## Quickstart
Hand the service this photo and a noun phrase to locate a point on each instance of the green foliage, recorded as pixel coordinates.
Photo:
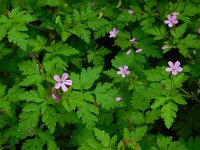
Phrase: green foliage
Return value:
(102, 109)
(166, 143)
(86, 79)
(29, 117)
(14, 25)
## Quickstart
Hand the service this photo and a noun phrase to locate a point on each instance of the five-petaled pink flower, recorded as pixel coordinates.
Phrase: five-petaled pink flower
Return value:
(172, 20)
(123, 71)
(113, 33)
(133, 40)
(62, 82)
(174, 68)
(118, 99)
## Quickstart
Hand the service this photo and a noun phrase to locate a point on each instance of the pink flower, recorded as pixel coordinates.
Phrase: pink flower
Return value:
(123, 71)
(131, 12)
(62, 82)
(139, 50)
(165, 47)
(174, 68)
(128, 52)
(113, 33)
(133, 40)
(118, 99)
(171, 20)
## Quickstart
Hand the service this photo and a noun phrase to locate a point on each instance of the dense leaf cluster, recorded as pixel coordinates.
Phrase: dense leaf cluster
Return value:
(43, 38)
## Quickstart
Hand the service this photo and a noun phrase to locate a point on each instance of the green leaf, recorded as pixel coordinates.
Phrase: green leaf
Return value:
(38, 44)
(29, 67)
(136, 117)
(105, 95)
(193, 143)
(31, 96)
(160, 101)
(168, 113)
(151, 116)
(165, 143)
(17, 37)
(156, 74)
(29, 117)
(102, 136)
(178, 33)
(33, 144)
(52, 3)
(3, 50)
(138, 133)
(86, 79)
(32, 72)
(159, 33)
(88, 114)
(49, 117)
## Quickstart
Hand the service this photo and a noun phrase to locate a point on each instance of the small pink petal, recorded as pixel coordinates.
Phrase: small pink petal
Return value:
(168, 69)
(64, 76)
(57, 78)
(174, 72)
(171, 64)
(175, 13)
(128, 52)
(125, 68)
(131, 12)
(166, 21)
(54, 97)
(121, 68)
(170, 25)
(118, 99)
(68, 82)
(179, 69)
(127, 72)
(57, 85)
(139, 50)
(64, 88)
(177, 64)
(119, 72)
(123, 75)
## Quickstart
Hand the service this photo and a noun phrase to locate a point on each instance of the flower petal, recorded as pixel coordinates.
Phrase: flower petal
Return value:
(174, 72)
(168, 69)
(170, 64)
(179, 69)
(123, 75)
(57, 78)
(119, 72)
(127, 72)
(64, 76)
(177, 64)
(57, 85)
(64, 88)
(170, 24)
(68, 82)
(121, 68)
(166, 21)
(118, 99)
(54, 97)
(125, 68)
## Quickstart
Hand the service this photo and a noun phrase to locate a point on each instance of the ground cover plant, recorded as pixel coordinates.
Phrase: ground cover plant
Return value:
(99, 75)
